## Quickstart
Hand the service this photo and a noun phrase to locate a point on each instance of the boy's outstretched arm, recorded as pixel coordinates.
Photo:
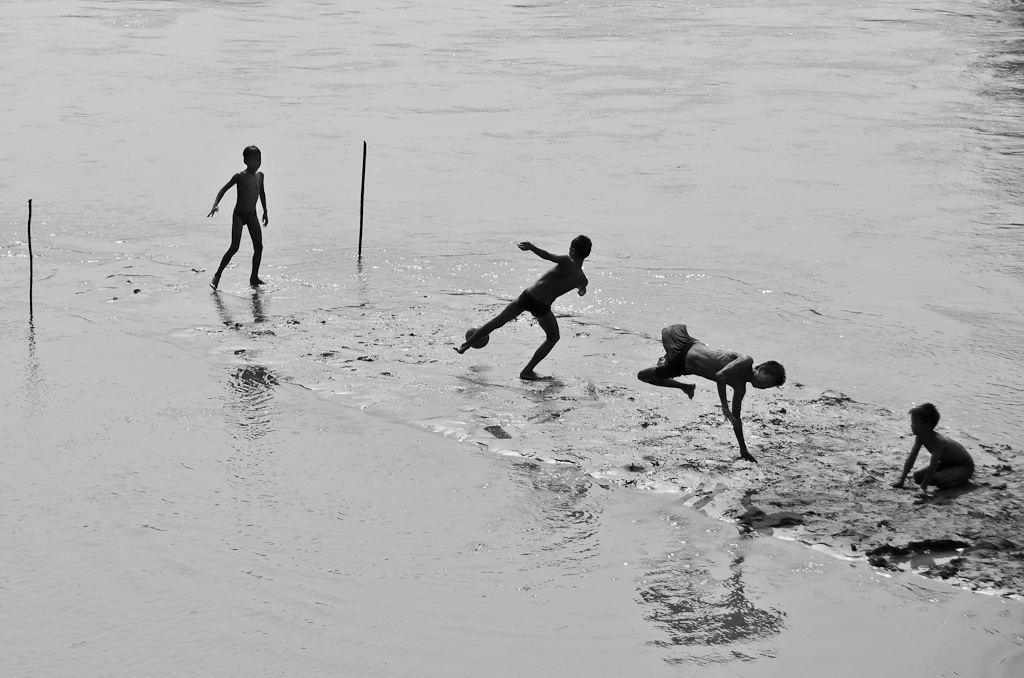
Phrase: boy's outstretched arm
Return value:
(525, 245)
(737, 424)
(723, 396)
(908, 465)
(733, 416)
(220, 194)
(263, 201)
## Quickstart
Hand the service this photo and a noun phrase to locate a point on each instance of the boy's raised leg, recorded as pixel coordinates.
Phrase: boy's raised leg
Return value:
(510, 312)
(649, 376)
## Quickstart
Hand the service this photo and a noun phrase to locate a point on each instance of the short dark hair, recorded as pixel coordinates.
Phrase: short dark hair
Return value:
(774, 369)
(250, 151)
(927, 413)
(582, 245)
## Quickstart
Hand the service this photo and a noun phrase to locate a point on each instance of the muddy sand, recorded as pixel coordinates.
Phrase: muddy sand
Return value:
(825, 473)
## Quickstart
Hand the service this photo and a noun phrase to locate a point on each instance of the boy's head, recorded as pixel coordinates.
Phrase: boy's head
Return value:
(926, 414)
(768, 374)
(252, 157)
(581, 245)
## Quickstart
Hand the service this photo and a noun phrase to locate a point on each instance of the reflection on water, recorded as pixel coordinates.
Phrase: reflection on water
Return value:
(696, 610)
(33, 378)
(562, 502)
(684, 599)
(362, 286)
(256, 305)
(253, 386)
(546, 397)
(222, 310)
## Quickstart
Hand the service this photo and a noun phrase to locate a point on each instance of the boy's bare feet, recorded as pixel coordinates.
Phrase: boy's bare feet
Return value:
(689, 390)
(215, 281)
(253, 282)
(531, 376)
(461, 349)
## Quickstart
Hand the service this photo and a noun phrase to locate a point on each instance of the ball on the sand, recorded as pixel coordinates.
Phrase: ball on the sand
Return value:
(481, 342)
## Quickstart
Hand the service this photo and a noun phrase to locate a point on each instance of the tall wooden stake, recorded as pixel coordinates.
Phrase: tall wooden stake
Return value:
(31, 276)
(362, 192)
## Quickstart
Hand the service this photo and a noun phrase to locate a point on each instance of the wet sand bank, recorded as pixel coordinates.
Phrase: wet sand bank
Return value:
(825, 473)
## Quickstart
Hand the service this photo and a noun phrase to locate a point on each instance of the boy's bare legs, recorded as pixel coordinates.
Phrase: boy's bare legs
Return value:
(236, 241)
(550, 326)
(511, 312)
(951, 476)
(256, 233)
(649, 376)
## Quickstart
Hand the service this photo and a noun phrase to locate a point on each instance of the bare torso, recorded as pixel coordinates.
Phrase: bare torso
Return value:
(704, 361)
(248, 186)
(558, 280)
(950, 452)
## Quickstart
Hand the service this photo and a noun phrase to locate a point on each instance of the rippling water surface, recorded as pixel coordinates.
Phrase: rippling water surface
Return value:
(834, 186)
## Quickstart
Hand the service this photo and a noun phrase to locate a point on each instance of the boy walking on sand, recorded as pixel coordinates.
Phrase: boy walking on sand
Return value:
(951, 464)
(686, 355)
(566, 274)
(249, 187)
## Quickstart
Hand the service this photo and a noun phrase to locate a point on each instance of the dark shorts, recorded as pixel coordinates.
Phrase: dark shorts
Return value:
(247, 218)
(677, 342)
(529, 303)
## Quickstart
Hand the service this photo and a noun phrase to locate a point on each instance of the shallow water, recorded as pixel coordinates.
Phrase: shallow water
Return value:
(783, 177)
(834, 187)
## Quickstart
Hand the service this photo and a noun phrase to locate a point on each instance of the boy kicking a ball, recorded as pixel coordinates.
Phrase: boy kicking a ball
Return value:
(566, 274)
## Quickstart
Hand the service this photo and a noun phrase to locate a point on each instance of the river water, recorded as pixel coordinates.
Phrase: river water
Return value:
(829, 185)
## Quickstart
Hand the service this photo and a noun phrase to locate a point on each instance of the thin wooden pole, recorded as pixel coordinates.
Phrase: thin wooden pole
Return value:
(31, 276)
(362, 193)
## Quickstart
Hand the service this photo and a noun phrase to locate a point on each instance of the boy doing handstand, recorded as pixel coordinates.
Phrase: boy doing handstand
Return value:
(686, 355)
(249, 187)
(951, 464)
(566, 274)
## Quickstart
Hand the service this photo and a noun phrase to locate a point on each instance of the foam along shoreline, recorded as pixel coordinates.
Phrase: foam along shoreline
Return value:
(825, 480)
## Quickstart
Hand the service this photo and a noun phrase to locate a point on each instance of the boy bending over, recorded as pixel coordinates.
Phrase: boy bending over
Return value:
(686, 355)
